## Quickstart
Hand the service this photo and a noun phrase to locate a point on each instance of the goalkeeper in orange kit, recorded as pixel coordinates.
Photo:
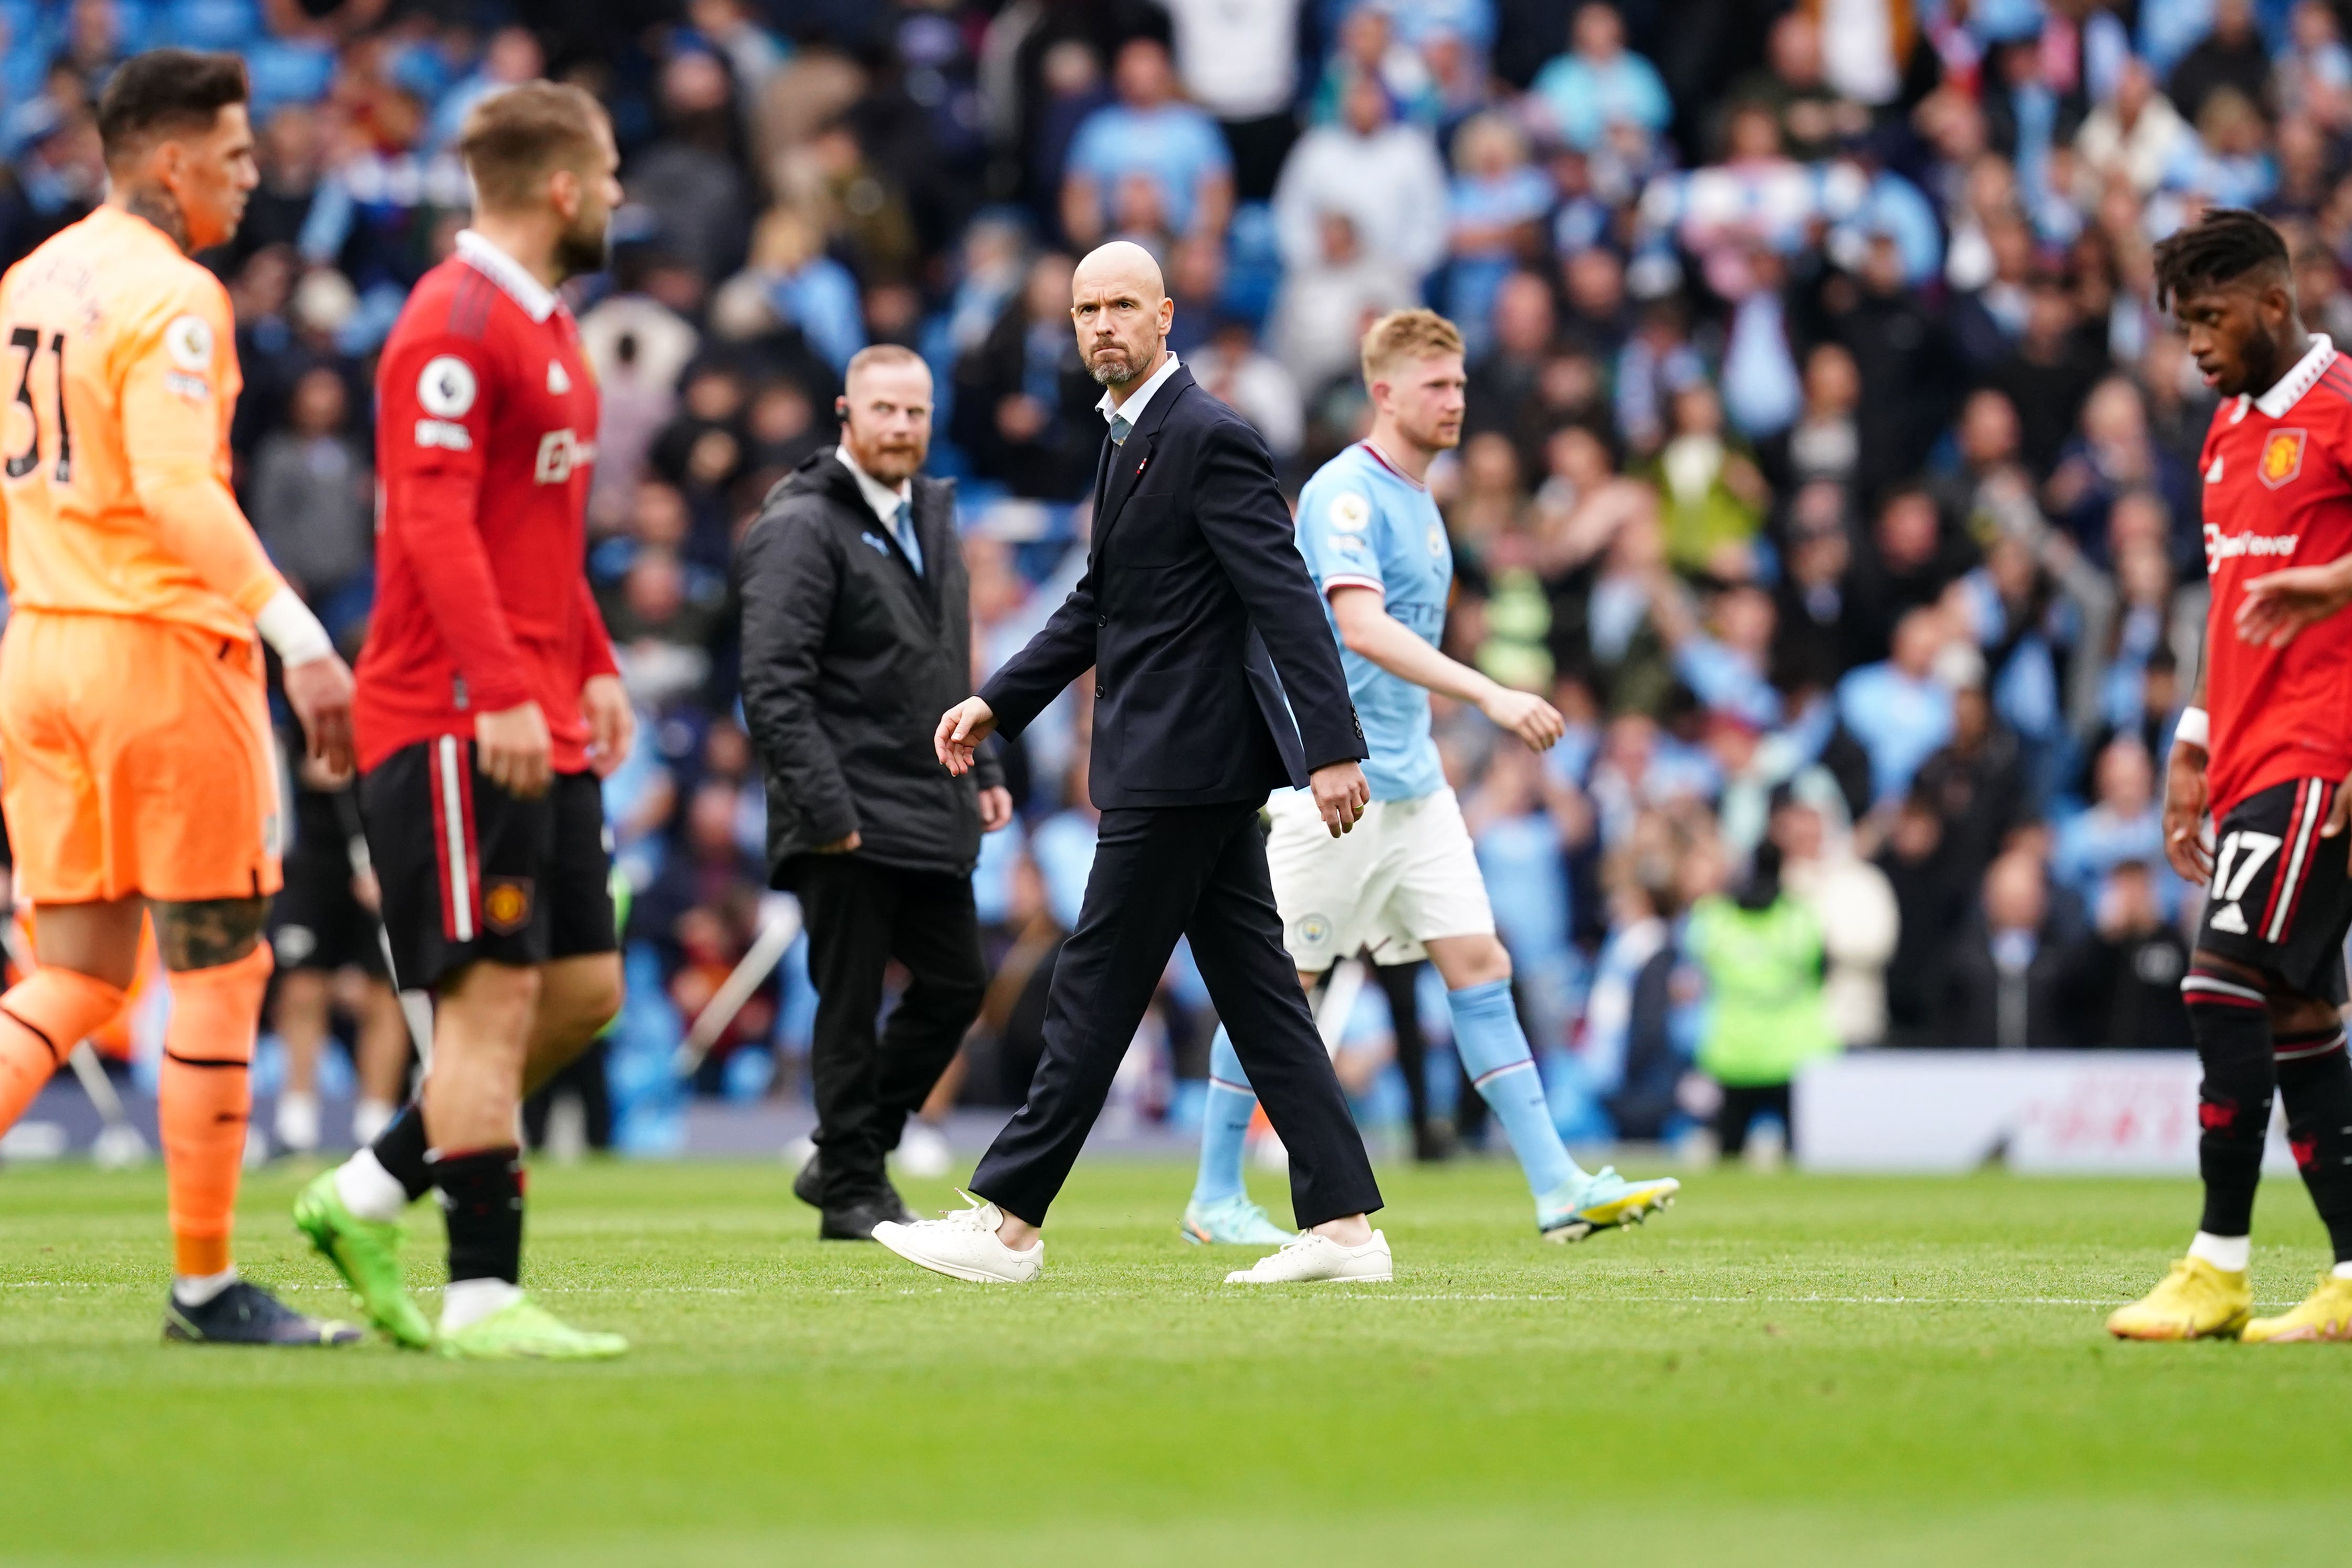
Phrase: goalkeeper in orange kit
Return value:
(134, 731)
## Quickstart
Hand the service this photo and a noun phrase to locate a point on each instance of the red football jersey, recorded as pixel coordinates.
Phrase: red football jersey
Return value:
(485, 435)
(2278, 494)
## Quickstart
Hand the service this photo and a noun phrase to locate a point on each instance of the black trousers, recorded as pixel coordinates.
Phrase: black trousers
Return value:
(1742, 1104)
(860, 916)
(1160, 873)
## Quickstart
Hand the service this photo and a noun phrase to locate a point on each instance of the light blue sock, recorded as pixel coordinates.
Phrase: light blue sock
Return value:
(1224, 1125)
(1493, 1052)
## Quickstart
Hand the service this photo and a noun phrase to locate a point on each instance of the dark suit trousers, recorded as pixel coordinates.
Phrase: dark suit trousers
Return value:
(1160, 873)
(860, 916)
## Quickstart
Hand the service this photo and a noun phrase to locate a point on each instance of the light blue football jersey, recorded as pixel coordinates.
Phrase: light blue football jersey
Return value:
(1362, 523)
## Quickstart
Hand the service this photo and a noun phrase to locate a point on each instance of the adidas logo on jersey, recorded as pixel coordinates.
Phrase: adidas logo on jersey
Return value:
(2229, 918)
(557, 382)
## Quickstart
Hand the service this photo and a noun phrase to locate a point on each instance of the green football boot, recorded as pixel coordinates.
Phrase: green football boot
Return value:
(525, 1330)
(366, 1252)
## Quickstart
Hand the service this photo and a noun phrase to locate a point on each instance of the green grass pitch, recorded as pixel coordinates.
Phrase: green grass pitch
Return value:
(1782, 1370)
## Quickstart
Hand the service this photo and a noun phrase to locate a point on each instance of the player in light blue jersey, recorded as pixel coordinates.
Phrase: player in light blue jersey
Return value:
(1406, 881)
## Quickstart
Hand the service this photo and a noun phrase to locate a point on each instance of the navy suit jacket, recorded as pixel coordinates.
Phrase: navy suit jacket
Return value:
(1194, 597)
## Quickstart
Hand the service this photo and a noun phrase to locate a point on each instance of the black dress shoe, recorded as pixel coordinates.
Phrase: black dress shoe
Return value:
(855, 1220)
(1433, 1141)
(808, 1187)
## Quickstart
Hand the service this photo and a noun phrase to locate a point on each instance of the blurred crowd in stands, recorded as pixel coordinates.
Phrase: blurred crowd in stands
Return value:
(1827, 462)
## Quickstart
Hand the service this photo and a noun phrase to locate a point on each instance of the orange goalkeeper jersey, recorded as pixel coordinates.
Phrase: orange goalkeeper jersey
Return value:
(118, 365)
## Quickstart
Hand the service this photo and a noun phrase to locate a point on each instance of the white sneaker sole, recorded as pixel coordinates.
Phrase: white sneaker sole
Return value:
(1387, 1276)
(952, 1270)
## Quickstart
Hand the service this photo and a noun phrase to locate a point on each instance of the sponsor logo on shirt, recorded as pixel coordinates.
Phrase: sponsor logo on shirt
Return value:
(561, 453)
(2281, 458)
(443, 434)
(195, 388)
(2220, 546)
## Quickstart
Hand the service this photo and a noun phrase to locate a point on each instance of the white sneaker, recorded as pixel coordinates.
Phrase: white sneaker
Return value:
(1313, 1257)
(964, 1245)
(923, 1151)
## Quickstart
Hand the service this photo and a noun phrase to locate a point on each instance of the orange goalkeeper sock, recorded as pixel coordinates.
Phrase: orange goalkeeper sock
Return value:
(42, 1018)
(202, 1101)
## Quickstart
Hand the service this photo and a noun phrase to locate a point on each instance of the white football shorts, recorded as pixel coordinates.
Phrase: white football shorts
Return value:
(1406, 873)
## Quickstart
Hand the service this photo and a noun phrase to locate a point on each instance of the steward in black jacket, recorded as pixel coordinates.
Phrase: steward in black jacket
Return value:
(852, 645)
(848, 660)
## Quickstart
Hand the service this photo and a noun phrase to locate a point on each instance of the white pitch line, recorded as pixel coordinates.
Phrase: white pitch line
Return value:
(1358, 1295)
(1763, 1300)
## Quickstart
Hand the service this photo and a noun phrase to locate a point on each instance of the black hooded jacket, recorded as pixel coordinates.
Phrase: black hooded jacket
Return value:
(849, 658)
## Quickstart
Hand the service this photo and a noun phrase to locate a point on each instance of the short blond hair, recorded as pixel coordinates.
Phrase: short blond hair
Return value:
(1403, 335)
(515, 138)
(873, 356)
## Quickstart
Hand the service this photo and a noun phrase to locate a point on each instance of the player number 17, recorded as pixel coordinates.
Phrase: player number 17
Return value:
(2256, 850)
(24, 462)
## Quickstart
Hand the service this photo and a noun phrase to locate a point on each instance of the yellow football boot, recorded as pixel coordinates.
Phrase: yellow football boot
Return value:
(2326, 1314)
(2195, 1302)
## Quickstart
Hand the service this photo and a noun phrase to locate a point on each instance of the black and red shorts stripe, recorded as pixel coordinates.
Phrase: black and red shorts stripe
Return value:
(468, 871)
(2281, 897)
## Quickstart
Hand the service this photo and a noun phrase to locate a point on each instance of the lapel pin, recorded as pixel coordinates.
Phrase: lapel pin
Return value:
(1140, 467)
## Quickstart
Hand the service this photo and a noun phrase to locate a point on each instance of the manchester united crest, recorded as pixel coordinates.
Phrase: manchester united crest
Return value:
(2281, 458)
(506, 904)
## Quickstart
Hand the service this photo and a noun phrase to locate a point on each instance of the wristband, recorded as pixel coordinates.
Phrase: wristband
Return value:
(287, 625)
(2195, 729)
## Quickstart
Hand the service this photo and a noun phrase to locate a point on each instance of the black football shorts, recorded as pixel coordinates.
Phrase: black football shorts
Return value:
(2281, 898)
(316, 923)
(470, 872)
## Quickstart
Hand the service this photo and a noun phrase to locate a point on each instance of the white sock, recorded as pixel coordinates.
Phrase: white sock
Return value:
(195, 1290)
(368, 1118)
(2342, 1271)
(297, 1121)
(468, 1301)
(370, 1191)
(2227, 1253)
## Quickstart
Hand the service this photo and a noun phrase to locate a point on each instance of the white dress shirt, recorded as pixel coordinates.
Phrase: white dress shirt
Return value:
(885, 503)
(1140, 399)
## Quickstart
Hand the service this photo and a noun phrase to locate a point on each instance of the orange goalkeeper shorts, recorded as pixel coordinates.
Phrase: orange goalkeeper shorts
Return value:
(135, 759)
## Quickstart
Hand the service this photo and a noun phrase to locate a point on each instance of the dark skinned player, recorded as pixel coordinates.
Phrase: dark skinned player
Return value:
(2265, 752)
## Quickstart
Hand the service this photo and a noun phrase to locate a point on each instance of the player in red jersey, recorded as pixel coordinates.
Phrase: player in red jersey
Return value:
(2265, 754)
(487, 706)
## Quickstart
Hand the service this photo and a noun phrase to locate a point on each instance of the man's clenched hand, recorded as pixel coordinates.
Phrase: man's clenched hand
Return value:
(319, 692)
(2184, 813)
(1340, 794)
